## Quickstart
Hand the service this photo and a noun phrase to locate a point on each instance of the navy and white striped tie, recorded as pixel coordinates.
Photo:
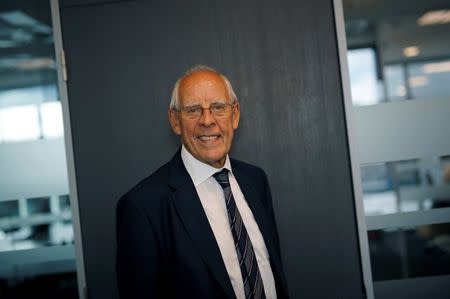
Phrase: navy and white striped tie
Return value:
(253, 285)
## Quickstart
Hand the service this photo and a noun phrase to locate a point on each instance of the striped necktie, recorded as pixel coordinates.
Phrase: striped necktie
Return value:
(253, 286)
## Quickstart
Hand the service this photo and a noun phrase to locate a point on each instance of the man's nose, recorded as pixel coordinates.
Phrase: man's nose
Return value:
(206, 118)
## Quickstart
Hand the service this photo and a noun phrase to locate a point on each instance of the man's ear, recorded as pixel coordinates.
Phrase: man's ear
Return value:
(235, 116)
(174, 121)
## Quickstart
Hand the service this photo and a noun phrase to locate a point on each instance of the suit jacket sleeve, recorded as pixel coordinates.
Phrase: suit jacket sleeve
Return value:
(138, 255)
(282, 290)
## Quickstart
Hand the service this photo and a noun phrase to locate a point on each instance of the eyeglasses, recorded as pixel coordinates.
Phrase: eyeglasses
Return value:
(218, 110)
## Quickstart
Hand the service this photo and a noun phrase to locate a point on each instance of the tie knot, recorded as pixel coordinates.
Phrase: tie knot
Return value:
(222, 177)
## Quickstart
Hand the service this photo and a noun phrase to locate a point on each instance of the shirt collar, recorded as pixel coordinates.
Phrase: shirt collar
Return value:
(199, 171)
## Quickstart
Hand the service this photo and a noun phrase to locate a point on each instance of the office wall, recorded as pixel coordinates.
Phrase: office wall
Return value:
(281, 56)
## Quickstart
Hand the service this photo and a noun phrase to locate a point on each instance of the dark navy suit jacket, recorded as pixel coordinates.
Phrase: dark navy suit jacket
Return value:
(165, 245)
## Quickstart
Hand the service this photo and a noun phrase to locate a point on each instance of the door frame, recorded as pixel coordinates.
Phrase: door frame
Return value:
(353, 147)
(63, 95)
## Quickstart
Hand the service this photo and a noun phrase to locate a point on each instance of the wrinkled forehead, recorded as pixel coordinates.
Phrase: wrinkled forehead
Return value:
(201, 86)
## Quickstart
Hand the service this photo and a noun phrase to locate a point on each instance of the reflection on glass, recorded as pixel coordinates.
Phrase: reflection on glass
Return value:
(35, 222)
(19, 123)
(405, 186)
(30, 114)
(408, 80)
(445, 166)
(52, 122)
(64, 203)
(410, 252)
(9, 208)
(40, 205)
(412, 51)
(34, 217)
(29, 95)
(402, 190)
(429, 79)
(363, 78)
(395, 82)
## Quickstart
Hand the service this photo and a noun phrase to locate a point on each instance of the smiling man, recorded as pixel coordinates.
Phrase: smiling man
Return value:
(202, 225)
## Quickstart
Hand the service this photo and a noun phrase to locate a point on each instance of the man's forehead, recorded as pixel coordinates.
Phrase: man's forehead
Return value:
(202, 78)
(202, 83)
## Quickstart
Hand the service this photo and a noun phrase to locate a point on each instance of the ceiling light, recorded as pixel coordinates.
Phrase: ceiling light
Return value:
(35, 63)
(436, 67)
(434, 17)
(411, 51)
(418, 81)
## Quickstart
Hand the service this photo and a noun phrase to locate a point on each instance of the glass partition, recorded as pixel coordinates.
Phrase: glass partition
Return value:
(405, 186)
(399, 69)
(409, 252)
(37, 256)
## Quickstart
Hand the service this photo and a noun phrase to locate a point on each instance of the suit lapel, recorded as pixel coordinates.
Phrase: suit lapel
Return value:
(191, 213)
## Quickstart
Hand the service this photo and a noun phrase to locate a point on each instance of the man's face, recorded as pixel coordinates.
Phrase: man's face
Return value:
(207, 138)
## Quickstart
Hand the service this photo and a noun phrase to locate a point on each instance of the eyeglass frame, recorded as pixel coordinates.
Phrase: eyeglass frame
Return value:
(185, 108)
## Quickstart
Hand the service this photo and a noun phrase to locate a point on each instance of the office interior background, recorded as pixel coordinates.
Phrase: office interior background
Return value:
(398, 55)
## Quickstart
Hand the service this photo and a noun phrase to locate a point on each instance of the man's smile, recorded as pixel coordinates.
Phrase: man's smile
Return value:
(208, 138)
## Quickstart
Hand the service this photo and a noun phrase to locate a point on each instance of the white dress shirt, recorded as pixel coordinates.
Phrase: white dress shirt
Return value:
(213, 202)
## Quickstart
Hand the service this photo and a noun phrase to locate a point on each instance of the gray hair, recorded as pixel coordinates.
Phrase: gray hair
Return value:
(175, 100)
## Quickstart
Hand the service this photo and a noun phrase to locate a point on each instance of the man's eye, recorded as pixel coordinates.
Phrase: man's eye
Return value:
(193, 110)
(218, 107)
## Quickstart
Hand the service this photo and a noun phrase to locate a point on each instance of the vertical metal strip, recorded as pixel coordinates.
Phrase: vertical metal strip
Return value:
(62, 86)
(353, 147)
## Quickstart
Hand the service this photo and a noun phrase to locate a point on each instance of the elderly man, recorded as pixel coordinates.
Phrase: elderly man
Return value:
(202, 225)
